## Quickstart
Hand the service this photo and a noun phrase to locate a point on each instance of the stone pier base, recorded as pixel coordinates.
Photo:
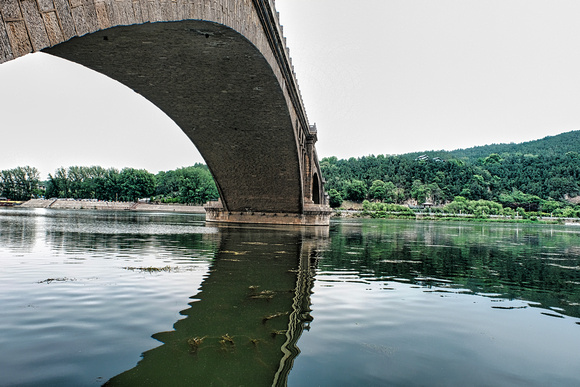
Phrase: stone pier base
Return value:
(313, 215)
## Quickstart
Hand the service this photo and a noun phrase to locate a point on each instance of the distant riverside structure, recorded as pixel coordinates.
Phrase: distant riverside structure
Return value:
(427, 158)
(219, 68)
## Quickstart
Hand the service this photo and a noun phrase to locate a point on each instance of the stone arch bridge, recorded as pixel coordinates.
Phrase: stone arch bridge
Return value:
(219, 68)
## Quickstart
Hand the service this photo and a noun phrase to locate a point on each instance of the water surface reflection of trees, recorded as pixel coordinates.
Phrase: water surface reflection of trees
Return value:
(534, 263)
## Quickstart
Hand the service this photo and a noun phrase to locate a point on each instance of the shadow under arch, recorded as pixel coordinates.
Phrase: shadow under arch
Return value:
(316, 190)
(218, 87)
(243, 326)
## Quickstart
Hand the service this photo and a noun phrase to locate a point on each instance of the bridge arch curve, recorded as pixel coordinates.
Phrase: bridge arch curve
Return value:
(219, 90)
(218, 68)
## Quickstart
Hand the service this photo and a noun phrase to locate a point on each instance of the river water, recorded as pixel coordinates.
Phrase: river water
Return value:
(134, 299)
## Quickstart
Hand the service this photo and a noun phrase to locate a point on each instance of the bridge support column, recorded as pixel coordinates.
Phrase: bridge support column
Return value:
(313, 215)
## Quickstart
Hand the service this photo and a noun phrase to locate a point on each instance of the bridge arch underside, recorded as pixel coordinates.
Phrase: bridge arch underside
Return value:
(221, 91)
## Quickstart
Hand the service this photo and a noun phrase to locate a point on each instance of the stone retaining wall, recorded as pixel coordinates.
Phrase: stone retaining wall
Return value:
(110, 206)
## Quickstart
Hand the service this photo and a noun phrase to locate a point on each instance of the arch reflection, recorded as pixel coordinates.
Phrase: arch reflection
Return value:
(242, 328)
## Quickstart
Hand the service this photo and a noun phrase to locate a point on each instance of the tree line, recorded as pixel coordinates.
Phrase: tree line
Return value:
(543, 181)
(547, 146)
(513, 180)
(189, 185)
(20, 183)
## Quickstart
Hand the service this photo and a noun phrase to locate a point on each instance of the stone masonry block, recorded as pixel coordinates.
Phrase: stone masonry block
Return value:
(130, 11)
(10, 10)
(102, 15)
(35, 25)
(64, 15)
(166, 10)
(81, 26)
(18, 36)
(137, 12)
(154, 10)
(195, 9)
(45, 5)
(53, 30)
(5, 49)
(180, 13)
(111, 12)
(137, 6)
(91, 15)
(121, 16)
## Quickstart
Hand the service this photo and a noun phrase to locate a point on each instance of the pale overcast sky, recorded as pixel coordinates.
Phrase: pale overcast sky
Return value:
(377, 77)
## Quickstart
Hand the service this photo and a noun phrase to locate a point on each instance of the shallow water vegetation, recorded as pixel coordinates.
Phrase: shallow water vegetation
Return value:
(265, 319)
(227, 339)
(49, 280)
(255, 342)
(151, 269)
(263, 295)
(277, 332)
(194, 343)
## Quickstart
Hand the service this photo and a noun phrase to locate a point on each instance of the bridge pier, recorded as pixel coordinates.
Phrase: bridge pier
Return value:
(313, 215)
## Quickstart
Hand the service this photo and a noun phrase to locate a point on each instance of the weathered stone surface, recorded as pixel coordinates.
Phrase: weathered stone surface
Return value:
(154, 11)
(109, 8)
(10, 10)
(312, 216)
(121, 12)
(91, 15)
(46, 5)
(138, 12)
(166, 10)
(18, 36)
(103, 19)
(79, 18)
(67, 24)
(53, 30)
(5, 49)
(35, 25)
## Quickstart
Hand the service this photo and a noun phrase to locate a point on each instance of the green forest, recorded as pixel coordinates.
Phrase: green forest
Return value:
(21, 183)
(537, 176)
(540, 175)
(190, 185)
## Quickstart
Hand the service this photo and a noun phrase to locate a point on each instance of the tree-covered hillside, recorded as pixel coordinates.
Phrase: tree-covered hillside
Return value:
(511, 174)
(547, 146)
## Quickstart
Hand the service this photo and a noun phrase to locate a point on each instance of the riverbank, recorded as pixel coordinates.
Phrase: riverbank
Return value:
(9, 203)
(452, 217)
(68, 204)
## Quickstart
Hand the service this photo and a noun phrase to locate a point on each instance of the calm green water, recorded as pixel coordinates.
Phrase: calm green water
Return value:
(126, 299)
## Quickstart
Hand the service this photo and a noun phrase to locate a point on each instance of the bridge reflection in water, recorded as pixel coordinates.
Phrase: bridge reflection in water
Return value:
(243, 326)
